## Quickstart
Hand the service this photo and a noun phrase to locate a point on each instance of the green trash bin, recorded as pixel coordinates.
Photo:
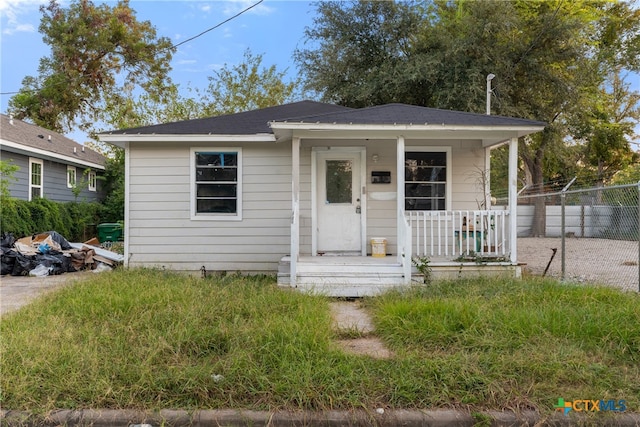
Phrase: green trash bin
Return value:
(109, 232)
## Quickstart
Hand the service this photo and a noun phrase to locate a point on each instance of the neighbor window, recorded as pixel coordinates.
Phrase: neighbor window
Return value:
(217, 183)
(92, 180)
(35, 178)
(71, 176)
(425, 176)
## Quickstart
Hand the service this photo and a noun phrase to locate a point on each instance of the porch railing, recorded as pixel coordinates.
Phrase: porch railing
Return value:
(405, 249)
(456, 233)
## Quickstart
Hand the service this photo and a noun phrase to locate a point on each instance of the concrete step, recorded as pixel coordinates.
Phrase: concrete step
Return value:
(350, 290)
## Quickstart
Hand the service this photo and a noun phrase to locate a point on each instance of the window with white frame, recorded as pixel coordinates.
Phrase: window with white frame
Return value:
(217, 183)
(425, 176)
(92, 180)
(35, 178)
(71, 176)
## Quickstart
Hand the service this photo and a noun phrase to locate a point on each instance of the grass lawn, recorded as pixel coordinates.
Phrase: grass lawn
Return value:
(146, 339)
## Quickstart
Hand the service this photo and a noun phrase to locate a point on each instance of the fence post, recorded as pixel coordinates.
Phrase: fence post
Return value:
(638, 236)
(563, 197)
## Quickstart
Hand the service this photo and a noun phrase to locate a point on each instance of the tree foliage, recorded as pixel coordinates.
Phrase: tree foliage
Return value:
(551, 60)
(97, 51)
(7, 175)
(113, 186)
(234, 88)
(75, 221)
(360, 52)
(605, 128)
(246, 86)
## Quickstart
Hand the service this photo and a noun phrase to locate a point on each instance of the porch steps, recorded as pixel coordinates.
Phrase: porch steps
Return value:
(367, 276)
(343, 276)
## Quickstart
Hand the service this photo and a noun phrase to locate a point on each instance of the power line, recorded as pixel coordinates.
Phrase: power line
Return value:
(182, 42)
(218, 25)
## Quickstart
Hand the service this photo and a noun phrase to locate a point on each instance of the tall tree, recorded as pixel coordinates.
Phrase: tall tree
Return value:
(605, 129)
(246, 86)
(96, 52)
(358, 52)
(233, 88)
(547, 57)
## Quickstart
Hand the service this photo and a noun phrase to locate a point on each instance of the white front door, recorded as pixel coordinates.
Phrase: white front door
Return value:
(339, 226)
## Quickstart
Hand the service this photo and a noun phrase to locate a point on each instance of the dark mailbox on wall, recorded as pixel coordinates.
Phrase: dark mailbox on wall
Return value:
(380, 177)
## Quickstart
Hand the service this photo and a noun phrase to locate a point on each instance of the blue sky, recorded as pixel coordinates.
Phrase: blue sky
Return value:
(274, 29)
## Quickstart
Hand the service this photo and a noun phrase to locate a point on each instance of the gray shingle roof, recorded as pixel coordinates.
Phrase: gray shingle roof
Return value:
(404, 114)
(36, 137)
(257, 121)
(245, 123)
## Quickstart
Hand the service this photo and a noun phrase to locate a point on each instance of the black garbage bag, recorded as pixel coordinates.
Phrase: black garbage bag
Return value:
(7, 240)
(7, 260)
(23, 265)
(56, 262)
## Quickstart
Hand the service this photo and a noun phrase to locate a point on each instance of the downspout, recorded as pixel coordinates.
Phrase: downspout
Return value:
(127, 198)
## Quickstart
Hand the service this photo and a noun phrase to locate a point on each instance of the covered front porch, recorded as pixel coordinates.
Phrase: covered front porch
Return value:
(440, 238)
(408, 183)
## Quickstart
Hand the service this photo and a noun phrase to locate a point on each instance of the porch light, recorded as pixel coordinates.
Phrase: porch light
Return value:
(375, 158)
(489, 78)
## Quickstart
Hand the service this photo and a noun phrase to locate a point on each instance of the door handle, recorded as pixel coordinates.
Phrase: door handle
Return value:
(358, 209)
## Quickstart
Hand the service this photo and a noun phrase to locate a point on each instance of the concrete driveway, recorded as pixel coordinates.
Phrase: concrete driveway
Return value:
(17, 291)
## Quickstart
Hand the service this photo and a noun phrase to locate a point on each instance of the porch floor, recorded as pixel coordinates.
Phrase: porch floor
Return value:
(346, 260)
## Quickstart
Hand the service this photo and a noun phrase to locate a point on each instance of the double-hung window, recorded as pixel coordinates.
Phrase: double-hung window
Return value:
(71, 176)
(426, 177)
(216, 183)
(35, 178)
(92, 181)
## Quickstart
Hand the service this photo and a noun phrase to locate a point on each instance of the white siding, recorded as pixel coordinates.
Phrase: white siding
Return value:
(161, 232)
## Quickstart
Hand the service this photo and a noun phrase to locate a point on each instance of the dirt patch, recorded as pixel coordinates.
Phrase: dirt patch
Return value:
(603, 261)
(18, 291)
(351, 319)
(349, 315)
(370, 346)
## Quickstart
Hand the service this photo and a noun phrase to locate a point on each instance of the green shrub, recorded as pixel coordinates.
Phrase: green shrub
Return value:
(74, 220)
(15, 217)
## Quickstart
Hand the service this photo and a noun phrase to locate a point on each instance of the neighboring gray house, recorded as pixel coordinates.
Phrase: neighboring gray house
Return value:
(310, 189)
(50, 165)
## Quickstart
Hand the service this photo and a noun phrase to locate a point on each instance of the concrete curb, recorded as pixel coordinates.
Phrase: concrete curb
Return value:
(228, 417)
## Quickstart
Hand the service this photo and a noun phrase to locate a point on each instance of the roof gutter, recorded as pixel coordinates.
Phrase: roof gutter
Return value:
(50, 154)
(120, 139)
(319, 127)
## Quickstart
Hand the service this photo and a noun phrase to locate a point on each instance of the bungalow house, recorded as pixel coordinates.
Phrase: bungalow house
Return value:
(313, 190)
(49, 164)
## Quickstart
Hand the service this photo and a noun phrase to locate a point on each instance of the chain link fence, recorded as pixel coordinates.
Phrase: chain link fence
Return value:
(589, 236)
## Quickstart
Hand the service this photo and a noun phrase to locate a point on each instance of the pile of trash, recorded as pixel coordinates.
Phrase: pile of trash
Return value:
(50, 253)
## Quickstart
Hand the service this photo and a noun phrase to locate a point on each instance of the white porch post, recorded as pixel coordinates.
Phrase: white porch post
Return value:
(513, 198)
(400, 220)
(487, 178)
(127, 201)
(295, 209)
